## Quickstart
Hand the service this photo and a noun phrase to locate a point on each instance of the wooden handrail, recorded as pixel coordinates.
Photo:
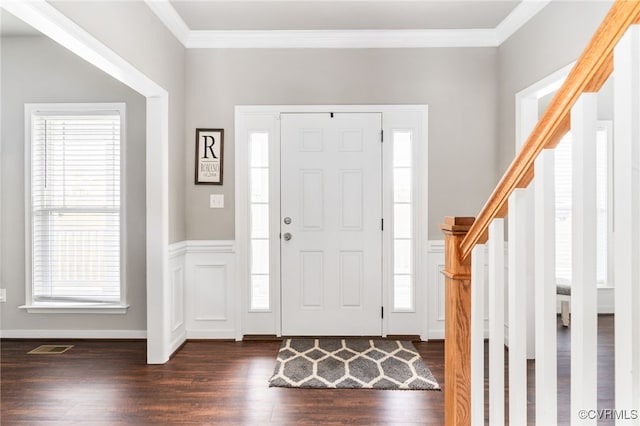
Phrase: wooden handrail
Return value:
(589, 73)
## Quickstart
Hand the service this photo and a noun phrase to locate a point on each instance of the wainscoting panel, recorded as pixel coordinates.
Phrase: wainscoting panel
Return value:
(435, 289)
(177, 254)
(436, 292)
(209, 287)
(177, 289)
(210, 291)
(205, 298)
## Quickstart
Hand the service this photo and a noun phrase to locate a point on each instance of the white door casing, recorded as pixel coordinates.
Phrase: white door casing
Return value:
(331, 190)
(254, 119)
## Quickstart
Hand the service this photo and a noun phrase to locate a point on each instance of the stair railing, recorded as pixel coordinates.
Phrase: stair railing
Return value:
(574, 107)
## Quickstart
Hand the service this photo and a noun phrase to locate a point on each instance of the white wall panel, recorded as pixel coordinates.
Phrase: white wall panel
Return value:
(209, 289)
(211, 299)
(435, 290)
(177, 287)
(177, 306)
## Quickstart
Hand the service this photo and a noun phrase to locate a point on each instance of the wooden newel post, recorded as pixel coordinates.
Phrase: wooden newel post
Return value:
(457, 346)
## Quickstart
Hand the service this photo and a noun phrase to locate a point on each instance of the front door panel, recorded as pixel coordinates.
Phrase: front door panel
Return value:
(331, 204)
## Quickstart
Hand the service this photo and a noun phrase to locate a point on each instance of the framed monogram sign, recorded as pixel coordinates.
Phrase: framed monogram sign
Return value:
(209, 156)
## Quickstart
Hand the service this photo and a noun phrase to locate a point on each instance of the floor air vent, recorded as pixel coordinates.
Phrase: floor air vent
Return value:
(51, 349)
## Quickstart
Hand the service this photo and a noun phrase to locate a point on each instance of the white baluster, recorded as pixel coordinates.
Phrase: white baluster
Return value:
(545, 291)
(627, 222)
(478, 283)
(518, 305)
(496, 322)
(584, 313)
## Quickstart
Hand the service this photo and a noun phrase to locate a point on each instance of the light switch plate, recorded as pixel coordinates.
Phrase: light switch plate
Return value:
(216, 201)
(3, 294)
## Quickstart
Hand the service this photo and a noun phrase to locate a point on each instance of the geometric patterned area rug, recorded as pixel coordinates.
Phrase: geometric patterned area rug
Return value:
(351, 363)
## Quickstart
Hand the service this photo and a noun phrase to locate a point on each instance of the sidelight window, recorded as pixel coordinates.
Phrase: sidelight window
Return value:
(259, 211)
(403, 275)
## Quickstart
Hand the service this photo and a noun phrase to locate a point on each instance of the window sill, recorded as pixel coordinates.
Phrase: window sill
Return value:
(71, 308)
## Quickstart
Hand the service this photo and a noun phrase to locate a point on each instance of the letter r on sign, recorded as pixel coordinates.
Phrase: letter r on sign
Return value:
(208, 146)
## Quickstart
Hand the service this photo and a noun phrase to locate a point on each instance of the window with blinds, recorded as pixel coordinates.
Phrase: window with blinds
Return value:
(563, 188)
(75, 203)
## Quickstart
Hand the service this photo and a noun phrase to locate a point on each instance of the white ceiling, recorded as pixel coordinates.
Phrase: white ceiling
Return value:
(343, 23)
(342, 15)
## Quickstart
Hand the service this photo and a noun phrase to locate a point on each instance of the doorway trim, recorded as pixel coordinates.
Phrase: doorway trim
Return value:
(267, 119)
(55, 25)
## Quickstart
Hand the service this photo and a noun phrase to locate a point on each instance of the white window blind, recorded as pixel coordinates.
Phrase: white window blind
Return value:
(75, 207)
(563, 185)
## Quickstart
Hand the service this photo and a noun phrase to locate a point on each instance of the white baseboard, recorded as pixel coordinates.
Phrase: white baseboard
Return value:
(73, 334)
(436, 334)
(211, 334)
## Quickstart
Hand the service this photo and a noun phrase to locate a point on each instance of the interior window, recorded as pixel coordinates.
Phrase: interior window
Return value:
(76, 209)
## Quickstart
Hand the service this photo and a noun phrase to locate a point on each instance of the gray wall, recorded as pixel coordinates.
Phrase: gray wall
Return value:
(135, 33)
(554, 38)
(459, 85)
(37, 70)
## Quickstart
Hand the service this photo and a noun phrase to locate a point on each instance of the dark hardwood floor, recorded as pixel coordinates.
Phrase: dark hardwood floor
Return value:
(108, 383)
(605, 374)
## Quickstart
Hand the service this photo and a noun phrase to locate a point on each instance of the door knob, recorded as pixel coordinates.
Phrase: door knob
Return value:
(287, 220)
(286, 236)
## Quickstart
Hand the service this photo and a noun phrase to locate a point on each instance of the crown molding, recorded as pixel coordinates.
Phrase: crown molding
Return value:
(340, 39)
(519, 16)
(345, 39)
(170, 18)
(49, 21)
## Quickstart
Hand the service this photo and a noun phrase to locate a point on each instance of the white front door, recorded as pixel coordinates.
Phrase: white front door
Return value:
(331, 237)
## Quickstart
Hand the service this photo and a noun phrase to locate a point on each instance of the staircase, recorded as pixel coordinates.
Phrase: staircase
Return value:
(613, 50)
